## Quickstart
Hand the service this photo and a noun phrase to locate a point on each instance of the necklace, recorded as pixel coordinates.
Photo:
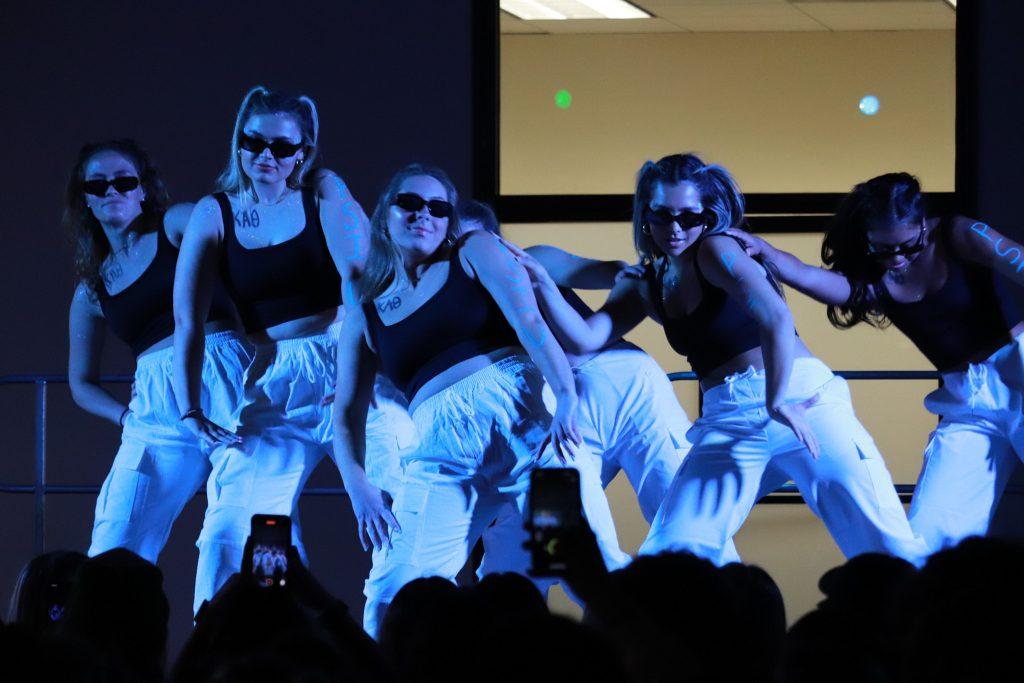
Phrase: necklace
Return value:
(284, 195)
(130, 241)
(899, 277)
(669, 281)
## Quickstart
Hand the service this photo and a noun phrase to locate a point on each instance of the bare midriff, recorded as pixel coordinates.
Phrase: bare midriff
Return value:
(752, 358)
(459, 372)
(208, 328)
(300, 327)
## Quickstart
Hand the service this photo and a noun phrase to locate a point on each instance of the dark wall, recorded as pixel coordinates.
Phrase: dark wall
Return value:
(392, 79)
(990, 147)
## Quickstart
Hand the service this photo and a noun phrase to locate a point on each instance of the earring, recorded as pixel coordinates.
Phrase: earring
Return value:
(645, 229)
(299, 162)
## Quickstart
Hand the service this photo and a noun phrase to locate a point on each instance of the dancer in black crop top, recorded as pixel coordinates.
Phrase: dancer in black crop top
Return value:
(767, 399)
(126, 249)
(453, 322)
(282, 233)
(938, 281)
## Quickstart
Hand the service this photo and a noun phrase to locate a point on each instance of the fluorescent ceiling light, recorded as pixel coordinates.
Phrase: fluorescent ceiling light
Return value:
(615, 9)
(530, 10)
(573, 9)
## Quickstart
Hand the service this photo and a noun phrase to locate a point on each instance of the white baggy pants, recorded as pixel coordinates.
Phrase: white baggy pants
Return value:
(161, 464)
(631, 420)
(848, 486)
(285, 433)
(974, 450)
(478, 442)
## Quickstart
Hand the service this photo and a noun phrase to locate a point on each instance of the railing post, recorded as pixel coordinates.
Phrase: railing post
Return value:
(40, 473)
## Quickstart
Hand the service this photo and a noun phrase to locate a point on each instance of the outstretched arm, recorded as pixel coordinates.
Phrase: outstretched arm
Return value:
(827, 286)
(624, 309)
(87, 331)
(576, 272)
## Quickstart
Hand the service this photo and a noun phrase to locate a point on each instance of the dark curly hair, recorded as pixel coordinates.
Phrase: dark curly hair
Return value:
(88, 240)
(882, 202)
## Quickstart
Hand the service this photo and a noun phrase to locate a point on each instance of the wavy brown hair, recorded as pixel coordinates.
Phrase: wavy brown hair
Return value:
(88, 240)
(384, 261)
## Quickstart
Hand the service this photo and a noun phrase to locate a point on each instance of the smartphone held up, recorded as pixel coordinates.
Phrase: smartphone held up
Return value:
(271, 536)
(555, 511)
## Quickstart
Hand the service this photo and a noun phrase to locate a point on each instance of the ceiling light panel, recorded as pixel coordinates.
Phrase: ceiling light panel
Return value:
(531, 10)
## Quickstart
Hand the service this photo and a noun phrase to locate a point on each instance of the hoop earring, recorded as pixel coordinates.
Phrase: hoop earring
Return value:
(645, 229)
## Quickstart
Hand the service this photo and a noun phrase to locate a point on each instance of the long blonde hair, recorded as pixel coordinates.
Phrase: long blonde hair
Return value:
(384, 261)
(261, 100)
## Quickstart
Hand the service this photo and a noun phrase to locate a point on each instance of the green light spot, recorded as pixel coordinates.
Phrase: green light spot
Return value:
(563, 99)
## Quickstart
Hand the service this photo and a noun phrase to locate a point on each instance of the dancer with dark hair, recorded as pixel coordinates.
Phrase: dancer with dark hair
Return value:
(452, 322)
(767, 399)
(126, 247)
(935, 279)
(281, 232)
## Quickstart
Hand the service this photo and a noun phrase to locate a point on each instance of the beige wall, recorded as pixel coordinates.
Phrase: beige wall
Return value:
(786, 540)
(778, 109)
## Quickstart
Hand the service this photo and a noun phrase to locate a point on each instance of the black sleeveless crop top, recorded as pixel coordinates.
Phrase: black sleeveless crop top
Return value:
(966, 318)
(286, 281)
(460, 321)
(715, 332)
(143, 312)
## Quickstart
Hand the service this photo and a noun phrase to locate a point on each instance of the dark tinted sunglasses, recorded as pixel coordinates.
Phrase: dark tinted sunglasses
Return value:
(438, 208)
(281, 149)
(662, 218)
(98, 187)
(905, 249)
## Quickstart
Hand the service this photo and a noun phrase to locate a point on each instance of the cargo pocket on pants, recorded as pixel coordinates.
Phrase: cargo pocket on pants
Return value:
(409, 507)
(878, 473)
(124, 492)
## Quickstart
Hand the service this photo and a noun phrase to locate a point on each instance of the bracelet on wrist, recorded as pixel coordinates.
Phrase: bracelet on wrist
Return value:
(124, 416)
(192, 412)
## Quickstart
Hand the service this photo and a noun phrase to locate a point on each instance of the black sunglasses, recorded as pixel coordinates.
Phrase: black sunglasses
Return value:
(408, 201)
(904, 249)
(686, 219)
(281, 149)
(98, 187)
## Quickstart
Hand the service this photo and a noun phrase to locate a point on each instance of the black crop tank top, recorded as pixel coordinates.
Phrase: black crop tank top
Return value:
(718, 330)
(460, 321)
(142, 313)
(286, 281)
(962, 320)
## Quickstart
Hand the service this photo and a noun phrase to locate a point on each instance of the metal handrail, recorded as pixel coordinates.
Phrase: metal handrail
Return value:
(40, 489)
